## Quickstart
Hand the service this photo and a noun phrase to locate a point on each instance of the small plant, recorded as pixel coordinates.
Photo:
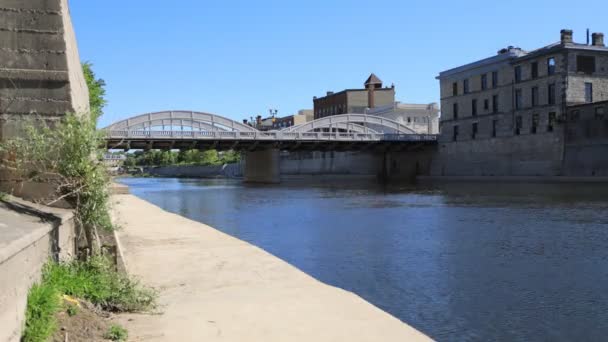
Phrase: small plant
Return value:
(97, 281)
(3, 196)
(72, 310)
(42, 303)
(116, 333)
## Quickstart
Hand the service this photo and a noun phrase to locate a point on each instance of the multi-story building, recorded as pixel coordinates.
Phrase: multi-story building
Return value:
(506, 114)
(303, 116)
(354, 100)
(422, 118)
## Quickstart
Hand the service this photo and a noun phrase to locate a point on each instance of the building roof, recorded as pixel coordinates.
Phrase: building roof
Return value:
(516, 55)
(373, 80)
(351, 90)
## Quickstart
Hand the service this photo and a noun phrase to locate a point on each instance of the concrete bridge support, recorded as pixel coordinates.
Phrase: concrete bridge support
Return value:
(405, 166)
(262, 166)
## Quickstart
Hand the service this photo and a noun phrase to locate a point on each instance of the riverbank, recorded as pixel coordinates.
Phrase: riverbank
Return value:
(214, 287)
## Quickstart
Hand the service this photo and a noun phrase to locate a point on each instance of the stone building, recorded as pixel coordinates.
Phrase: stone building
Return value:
(422, 118)
(506, 114)
(354, 100)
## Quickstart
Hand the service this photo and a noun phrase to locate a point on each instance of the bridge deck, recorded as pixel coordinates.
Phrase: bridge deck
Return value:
(259, 140)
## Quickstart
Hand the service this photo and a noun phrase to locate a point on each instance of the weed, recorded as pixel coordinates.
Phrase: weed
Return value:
(116, 333)
(97, 281)
(72, 310)
(42, 303)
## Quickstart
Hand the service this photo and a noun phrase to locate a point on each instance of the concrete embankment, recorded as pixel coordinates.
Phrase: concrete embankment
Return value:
(214, 287)
(30, 234)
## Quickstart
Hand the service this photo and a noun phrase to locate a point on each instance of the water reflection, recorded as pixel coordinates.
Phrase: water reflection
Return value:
(459, 262)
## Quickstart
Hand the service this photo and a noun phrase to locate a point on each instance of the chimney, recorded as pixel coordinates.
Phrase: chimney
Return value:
(597, 39)
(329, 93)
(566, 36)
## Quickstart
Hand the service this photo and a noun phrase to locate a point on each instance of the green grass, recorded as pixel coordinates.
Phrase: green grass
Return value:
(116, 333)
(95, 280)
(98, 282)
(3, 196)
(43, 302)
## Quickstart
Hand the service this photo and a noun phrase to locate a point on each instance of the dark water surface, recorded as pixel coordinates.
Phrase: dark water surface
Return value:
(466, 262)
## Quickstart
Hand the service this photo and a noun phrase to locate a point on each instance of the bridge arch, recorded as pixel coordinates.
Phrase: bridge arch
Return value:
(195, 121)
(359, 123)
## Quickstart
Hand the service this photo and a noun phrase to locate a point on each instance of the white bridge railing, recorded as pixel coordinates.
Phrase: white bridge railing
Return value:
(275, 136)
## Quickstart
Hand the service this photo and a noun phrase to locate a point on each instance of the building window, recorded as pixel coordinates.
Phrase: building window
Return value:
(574, 115)
(454, 88)
(585, 64)
(486, 104)
(484, 82)
(474, 107)
(518, 124)
(455, 133)
(550, 65)
(534, 72)
(409, 119)
(551, 122)
(474, 131)
(588, 92)
(495, 104)
(518, 99)
(535, 120)
(551, 93)
(465, 86)
(518, 73)
(534, 96)
(494, 126)
(455, 111)
(494, 79)
(599, 112)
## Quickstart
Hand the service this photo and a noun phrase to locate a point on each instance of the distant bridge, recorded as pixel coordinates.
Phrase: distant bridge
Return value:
(197, 130)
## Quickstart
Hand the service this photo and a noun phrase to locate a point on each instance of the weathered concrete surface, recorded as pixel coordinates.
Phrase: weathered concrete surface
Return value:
(29, 236)
(214, 287)
(262, 166)
(40, 72)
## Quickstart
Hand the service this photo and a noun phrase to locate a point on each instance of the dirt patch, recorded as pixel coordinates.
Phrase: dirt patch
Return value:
(81, 323)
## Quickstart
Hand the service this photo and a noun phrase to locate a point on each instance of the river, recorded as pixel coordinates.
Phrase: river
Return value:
(460, 262)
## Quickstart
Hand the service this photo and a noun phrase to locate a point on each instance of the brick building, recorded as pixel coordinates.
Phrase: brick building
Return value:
(354, 100)
(506, 114)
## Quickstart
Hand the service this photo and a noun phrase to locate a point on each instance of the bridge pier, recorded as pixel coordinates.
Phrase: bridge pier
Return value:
(262, 166)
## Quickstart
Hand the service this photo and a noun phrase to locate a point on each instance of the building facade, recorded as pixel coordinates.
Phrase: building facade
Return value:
(303, 116)
(506, 114)
(422, 118)
(354, 100)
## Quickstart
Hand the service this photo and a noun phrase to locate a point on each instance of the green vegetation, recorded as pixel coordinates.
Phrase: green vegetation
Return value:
(43, 302)
(97, 91)
(72, 310)
(66, 154)
(94, 280)
(97, 281)
(188, 157)
(3, 196)
(116, 333)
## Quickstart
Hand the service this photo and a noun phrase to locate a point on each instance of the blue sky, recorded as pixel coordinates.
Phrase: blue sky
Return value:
(239, 58)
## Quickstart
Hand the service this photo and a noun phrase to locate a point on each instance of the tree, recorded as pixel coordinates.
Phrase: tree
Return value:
(97, 91)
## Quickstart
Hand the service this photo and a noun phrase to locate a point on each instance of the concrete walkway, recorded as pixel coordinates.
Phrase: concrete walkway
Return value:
(214, 287)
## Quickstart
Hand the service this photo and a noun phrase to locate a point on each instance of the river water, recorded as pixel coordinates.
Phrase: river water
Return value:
(460, 262)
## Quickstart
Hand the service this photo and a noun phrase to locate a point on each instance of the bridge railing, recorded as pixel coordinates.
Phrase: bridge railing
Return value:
(272, 135)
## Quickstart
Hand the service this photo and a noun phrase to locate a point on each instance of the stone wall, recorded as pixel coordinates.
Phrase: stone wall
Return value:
(33, 235)
(40, 71)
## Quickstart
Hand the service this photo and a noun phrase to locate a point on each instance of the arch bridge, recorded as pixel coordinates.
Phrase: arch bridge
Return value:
(198, 130)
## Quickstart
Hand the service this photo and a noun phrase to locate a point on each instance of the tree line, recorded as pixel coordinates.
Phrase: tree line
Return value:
(186, 157)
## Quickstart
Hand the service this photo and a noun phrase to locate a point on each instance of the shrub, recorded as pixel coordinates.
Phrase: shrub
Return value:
(116, 333)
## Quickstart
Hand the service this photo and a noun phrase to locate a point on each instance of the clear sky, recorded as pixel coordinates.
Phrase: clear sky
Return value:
(240, 58)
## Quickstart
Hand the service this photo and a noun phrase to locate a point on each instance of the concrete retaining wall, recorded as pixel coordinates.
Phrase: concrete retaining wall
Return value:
(197, 171)
(31, 235)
